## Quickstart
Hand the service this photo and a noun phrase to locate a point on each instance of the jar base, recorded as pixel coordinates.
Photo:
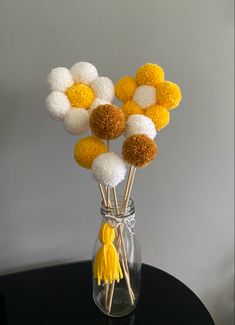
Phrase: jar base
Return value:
(121, 304)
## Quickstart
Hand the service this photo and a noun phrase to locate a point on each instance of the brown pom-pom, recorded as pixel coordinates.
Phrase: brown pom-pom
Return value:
(107, 121)
(139, 150)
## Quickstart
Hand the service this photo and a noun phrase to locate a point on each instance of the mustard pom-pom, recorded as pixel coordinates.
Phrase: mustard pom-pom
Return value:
(159, 115)
(168, 94)
(131, 108)
(125, 88)
(106, 265)
(80, 95)
(139, 150)
(107, 121)
(87, 149)
(149, 74)
(97, 102)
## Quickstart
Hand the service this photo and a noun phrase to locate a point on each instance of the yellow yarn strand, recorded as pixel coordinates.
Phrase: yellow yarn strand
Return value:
(106, 265)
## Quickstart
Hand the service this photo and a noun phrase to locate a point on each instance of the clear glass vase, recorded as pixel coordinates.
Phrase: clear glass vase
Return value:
(117, 261)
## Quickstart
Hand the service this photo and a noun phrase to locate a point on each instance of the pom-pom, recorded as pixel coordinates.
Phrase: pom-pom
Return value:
(139, 150)
(159, 115)
(60, 79)
(140, 124)
(149, 74)
(103, 88)
(57, 105)
(109, 169)
(80, 95)
(84, 72)
(168, 94)
(87, 149)
(77, 121)
(107, 121)
(145, 96)
(97, 102)
(125, 88)
(131, 108)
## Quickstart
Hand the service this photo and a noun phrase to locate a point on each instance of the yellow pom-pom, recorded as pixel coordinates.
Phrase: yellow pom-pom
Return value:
(159, 115)
(149, 74)
(87, 149)
(131, 108)
(106, 265)
(125, 88)
(80, 95)
(168, 94)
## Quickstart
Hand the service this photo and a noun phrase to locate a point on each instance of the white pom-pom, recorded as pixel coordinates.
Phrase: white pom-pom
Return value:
(84, 72)
(97, 102)
(140, 124)
(109, 169)
(145, 96)
(77, 121)
(103, 88)
(57, 105)
(60, 79)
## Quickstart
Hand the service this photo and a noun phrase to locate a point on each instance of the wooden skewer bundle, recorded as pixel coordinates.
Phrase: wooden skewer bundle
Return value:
(121, 249)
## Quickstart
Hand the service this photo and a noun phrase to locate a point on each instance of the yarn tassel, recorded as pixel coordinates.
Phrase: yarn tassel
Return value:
(106, 266)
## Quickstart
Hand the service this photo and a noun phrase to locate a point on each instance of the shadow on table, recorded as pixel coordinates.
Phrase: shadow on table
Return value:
(3, 314)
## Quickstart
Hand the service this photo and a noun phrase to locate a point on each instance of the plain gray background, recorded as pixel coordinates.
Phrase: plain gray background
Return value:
(184, 200)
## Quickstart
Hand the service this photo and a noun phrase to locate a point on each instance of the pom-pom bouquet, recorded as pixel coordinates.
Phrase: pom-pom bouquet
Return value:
(83, 102)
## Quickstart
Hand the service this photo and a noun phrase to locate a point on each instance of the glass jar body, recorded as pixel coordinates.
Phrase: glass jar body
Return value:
(117, 297)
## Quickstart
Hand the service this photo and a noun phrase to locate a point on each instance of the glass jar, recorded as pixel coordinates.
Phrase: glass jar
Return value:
(117, 261)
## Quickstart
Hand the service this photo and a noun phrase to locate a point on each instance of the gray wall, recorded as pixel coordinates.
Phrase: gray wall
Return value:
(49, 206)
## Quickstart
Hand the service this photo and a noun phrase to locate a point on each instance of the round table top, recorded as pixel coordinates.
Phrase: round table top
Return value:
(63, 295)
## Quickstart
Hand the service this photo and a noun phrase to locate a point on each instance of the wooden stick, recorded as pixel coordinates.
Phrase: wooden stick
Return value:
(109, 204)
(103, 194)
(124, 249)
(118, 246)
(128, 283)
(127, 186)
(125, 202)
(115, 199)
(123, 211)
(107, 187)
(126, 274)
(125, 264)
(126, 198)
(109, 303)
(106, 198)
(106, 295)
(130, 186)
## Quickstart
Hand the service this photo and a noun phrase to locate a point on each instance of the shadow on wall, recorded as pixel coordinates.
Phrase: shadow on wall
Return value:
(222, 298)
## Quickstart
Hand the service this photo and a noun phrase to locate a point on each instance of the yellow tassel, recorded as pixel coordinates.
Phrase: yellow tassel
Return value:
(106, 265)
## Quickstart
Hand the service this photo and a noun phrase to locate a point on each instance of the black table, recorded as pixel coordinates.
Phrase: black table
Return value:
(63, 295)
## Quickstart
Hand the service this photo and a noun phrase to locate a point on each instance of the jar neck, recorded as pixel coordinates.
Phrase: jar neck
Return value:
(120, 211)
(121, 215)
